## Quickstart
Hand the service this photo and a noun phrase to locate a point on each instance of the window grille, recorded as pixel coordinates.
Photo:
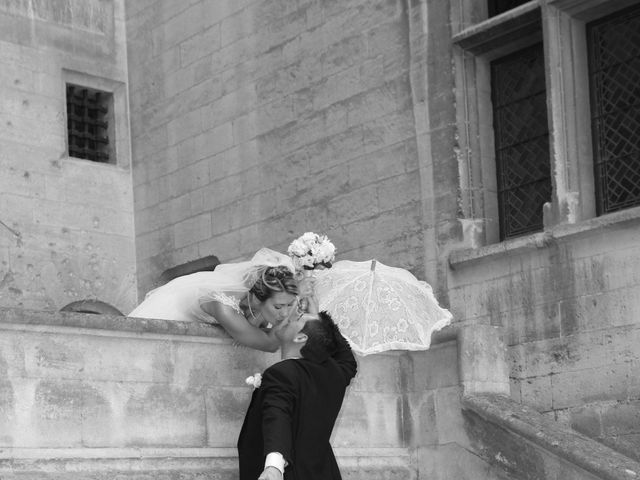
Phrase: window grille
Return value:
(614, 69)
(88, 123)
(521, 140)
(496, 7)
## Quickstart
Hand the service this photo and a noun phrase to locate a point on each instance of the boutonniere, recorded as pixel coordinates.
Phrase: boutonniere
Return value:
(254, 380)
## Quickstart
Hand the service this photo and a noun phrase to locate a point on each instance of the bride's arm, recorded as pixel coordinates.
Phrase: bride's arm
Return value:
(306, 291)
(240, 329)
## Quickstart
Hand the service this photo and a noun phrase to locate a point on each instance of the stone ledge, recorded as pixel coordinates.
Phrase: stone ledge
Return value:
(559, 233)
(29, 319)
(207, 452)
(17, 319)
(587, 10)
(567, 444)
(500, 30)
(182, 463)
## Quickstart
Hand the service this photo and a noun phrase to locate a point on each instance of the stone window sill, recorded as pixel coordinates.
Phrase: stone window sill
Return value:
(463, 258)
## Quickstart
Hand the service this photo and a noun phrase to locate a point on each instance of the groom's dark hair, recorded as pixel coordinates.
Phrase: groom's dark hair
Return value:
(322, 338)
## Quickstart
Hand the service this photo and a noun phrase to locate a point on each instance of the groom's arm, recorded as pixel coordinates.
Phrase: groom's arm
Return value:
(344, 357)
(271, 473)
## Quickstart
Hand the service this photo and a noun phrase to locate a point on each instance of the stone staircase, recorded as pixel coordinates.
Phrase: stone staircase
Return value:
(529, 445)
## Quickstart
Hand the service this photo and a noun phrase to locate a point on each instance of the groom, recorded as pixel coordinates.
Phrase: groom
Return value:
(288, 424)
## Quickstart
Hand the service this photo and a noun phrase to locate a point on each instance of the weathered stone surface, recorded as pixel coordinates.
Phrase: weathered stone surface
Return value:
(497, 426)
(70, 222)
(453, 461)
(569, 310)
(92, 395)
(296, 81)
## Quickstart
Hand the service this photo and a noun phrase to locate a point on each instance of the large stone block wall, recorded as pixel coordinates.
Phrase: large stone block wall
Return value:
(254, 121)
(87, 381)
(568, 301)
(94, 396)
(66, 230)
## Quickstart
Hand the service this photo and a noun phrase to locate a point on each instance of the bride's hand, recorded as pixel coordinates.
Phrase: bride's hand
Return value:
(306, 287)
(312, 305)
(306, 291)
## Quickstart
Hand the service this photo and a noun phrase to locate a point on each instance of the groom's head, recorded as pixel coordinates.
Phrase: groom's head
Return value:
(321, 334)
(314, 335)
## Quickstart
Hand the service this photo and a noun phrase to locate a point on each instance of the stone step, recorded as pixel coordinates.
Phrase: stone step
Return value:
(180, 463)
(526, 444)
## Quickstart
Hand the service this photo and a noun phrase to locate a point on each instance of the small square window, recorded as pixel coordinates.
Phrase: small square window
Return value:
(90, 124)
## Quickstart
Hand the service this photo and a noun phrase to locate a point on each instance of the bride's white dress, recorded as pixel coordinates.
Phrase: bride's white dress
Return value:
(182, 298)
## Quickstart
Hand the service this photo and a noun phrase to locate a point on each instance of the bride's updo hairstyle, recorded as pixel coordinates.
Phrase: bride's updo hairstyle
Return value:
(272, 280)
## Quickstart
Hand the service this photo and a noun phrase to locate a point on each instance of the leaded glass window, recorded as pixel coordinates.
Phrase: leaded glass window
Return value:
(496, 7)
(614, 68)
(521, 140)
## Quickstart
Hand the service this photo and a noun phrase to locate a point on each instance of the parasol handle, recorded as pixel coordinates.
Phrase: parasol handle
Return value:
(373, 265)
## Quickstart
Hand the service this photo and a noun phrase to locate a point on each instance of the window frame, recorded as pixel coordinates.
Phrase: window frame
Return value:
(477, 40)
(104, 135)
(119, 145)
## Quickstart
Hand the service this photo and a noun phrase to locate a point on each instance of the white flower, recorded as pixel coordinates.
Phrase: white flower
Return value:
(326, 251)
(297, 248)
(254, 380)
(311, 251)
(309, 237)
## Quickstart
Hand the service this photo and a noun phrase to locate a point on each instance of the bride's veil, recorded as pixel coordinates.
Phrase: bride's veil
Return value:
(240, 277)
(230, 278)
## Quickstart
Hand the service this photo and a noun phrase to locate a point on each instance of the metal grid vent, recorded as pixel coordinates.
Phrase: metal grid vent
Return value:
(614, 65)
(496, 7)
(521, 140)
(88, 123)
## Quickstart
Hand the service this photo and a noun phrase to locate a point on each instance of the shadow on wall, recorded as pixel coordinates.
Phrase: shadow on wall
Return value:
(91, 306)
(205, 264)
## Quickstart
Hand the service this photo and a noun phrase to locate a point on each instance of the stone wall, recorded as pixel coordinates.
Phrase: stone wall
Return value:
(254, 121)
(568, 301)
(66, 230)
(95, 395)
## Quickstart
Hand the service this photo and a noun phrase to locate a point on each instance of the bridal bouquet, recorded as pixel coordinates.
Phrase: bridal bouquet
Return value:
(311, 251)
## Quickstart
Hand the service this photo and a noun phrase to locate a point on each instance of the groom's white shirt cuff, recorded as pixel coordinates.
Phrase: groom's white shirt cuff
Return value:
(275, 459)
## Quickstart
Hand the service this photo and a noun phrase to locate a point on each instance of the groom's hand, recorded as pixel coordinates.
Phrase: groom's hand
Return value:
(270, 473)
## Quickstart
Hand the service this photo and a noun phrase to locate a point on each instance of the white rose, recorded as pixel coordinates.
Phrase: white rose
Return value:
(297, 248)
(309, 237)
(326, 252)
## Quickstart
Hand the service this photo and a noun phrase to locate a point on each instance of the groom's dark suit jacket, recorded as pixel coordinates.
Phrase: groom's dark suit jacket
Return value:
(293, 412)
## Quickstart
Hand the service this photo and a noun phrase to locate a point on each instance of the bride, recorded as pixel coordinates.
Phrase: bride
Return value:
(246, 298)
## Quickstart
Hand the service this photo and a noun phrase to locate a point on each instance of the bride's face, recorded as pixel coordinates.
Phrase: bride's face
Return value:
(278, 306)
